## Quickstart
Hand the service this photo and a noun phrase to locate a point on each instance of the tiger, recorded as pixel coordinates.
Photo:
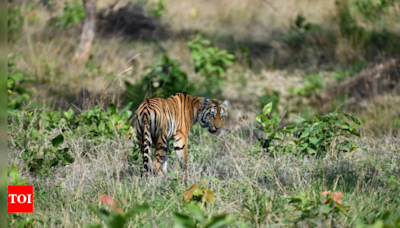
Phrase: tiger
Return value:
(160, 120)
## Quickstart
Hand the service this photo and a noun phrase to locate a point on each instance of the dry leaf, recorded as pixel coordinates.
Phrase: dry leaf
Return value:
(107, 200)
(208, 195)
(336, 196)
(324, 193)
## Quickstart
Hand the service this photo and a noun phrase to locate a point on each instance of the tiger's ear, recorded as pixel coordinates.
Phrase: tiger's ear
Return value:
(225, 104)
(205, 103)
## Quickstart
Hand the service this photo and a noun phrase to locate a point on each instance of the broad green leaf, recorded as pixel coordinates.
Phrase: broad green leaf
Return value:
(219, 221)
(57, 141)
(313, 140)
(267, 108)
(101, 126)
(69, 114)
(196, 212)
(325, 209)
(111, 109)
(183, 221)
(118, 220)
(14, 175)
(138, 208)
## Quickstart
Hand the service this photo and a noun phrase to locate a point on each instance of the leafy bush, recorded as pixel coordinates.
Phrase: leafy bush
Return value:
(18, 92)
(94, 122)
(164, 79)
(300, 32)
(317, 137)
(270, 96)
(72, 13)
(313, 85)
(51, 156)
(321, 210)
(211, 62)
(157, 9)
(373, 33)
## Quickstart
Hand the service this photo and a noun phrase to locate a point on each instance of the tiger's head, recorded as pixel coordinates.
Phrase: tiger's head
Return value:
(212, 115)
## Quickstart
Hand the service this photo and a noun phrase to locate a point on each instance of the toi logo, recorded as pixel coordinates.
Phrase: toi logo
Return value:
(20, 199)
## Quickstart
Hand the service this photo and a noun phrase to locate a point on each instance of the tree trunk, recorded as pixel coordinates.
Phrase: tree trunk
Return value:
(82, 53)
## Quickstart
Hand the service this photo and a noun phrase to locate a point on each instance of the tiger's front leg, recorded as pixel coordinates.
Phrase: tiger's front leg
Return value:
(161, 156)
(180, 147)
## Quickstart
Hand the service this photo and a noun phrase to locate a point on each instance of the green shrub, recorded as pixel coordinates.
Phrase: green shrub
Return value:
(320, 210)
(211, 63)
(312, 86)
(322, 135)
(270, 96)
(300, 32)
(18, 92)
(51, 156)
(164, 79)
(157, 9)
(72, 13)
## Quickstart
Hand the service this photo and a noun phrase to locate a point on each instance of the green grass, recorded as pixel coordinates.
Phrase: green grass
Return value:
(254, 188)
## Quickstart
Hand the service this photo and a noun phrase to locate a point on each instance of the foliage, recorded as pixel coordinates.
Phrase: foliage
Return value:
(116, 218)
(211, 62)
(98, 122)
(193, 197)
(321, 210)
(18, 92)
(15, 22)
(72, 13)
(270, 96)
(373, 33)
(312, 86)
(164, 79)
(388, 220)
(354, 68)
(317, 137)
(14, 176)
(300, 31)
(197, 218)
(196, 194)
(157, 9)
(95, 123)
(51, 156)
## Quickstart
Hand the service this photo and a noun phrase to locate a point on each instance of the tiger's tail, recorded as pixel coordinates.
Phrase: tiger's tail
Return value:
(147, 162)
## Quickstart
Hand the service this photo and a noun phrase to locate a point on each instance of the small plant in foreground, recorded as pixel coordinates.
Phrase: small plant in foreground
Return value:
(319, 136)
(388, 220)
(211, 62)
(117, 217)
(14, 176)
(321, 210)
(196, 218)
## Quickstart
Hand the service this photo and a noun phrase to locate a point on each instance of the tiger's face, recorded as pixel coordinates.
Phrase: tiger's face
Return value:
(212, 115)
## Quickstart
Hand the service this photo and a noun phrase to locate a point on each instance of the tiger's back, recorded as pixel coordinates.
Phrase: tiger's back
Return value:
(160, 120)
